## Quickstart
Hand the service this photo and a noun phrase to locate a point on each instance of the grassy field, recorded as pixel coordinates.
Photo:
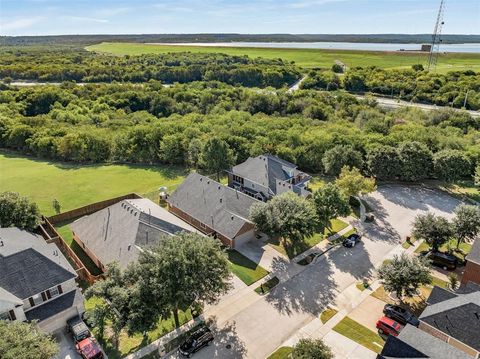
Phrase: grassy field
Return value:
(307, 58)
(76, 185)
(360, 334)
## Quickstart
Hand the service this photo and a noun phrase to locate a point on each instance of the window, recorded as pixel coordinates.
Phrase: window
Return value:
(54, 292)
(4, 316)
(36, 299)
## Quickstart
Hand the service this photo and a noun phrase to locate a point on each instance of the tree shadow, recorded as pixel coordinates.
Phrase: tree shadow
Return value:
(227, 343)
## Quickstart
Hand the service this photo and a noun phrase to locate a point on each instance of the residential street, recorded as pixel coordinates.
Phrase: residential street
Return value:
(255, 326)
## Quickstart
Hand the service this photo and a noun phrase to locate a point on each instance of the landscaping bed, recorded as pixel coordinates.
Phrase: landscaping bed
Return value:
(245, 269)
(264, 288)
(327, 314)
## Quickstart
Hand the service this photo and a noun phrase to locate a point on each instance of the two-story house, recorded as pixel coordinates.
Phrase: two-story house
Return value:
(265, 176)
(37, 283)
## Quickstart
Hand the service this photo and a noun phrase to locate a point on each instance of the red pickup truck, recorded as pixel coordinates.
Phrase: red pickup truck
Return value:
(89, 349)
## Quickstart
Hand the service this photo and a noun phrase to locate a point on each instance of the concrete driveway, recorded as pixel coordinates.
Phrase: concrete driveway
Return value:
(66, 346)
(368, 312)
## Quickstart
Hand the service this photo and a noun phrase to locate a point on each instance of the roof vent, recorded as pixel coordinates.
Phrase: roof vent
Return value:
(219, 187)
(129, 247)
(1, 244)
(232, 217)
(208, 182)
(221, 200)
(201, 179)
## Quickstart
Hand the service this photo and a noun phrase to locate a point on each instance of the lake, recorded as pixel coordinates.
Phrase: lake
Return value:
(366, 46)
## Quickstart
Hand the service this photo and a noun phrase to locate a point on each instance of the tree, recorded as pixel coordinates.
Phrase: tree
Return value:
(25, 340)
(287, 216)
(435, 230)
(56, 206)
(340, 156)
(216, 156)
(417, 67)
(384, 163)
(18, 211)
(477, 175)
(352, 183)
(330, 203)
(171, 149)
(194, 152)
(451, 165)
(416, 161)
(184, 272)
(337, 68)
(311, 349)
(466, 223)
(405, 274)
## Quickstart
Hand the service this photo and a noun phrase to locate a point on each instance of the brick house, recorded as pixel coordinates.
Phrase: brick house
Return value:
(265, 176)
(214, 209)
(472, 268)
(36, 281)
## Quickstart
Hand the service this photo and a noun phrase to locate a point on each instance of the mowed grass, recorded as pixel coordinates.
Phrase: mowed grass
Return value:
(307, 58)
(281, 353)
(245, 269)
(75, 185)
(360, 334)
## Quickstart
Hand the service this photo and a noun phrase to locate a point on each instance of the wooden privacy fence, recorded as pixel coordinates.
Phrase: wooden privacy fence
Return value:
(89, 209)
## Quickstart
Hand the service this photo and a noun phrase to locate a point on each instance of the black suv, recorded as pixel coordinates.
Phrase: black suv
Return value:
(78, 328)
(400, 315)
(196, 341)
(443, 260)
(352, 240)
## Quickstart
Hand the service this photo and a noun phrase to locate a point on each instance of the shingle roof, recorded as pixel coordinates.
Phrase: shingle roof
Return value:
(439, 295)
(457, 317)
(28, 272)
(115, 233)
(474, 255)
(415, 343)
(268, 170)
(54, 306)
(217, 206)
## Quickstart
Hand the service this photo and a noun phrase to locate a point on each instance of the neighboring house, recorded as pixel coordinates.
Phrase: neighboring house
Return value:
(454, 318)
(415, 343)
(265, 176)
(214, 209)
(36, 281)
(472, 268)
(119, 233)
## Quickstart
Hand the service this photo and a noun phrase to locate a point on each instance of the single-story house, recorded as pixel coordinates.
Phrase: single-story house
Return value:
(454, 318)
(36, 281)
(472, 268)
(214, 209)
(265, 176)
(119, 232)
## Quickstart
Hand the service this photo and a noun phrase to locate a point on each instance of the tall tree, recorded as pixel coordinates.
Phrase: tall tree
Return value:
(405, 274)
(416, 161)
(435, 230)
(330, 203)
(287, 216)
(466, 223)
(25, 340)
(384, 163)
(352, 183)
(340, 156)
(311, 349)
(185, 271)
(216, 156)
(18, 211)
(451, 165)
(194, 152)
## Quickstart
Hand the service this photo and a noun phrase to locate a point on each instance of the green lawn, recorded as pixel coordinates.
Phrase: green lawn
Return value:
(292, 250)
(281, 353)
(451, 245)
(327, 314)
(360, 334)
(264, 288)
(75, 185)
(245, 269)
(307, 58)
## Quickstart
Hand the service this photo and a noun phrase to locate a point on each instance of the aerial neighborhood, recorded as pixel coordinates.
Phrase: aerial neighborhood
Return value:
(227, 189)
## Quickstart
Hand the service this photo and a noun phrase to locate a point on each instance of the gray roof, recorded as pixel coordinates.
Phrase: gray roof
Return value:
(457, 317)
(55, 306)
(270, 171)
(119, 232)
(29, 265)
(474, 255)
(415, 343)
(217, 206)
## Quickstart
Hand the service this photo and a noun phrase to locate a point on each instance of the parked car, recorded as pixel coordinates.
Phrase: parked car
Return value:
(352, 240)
(89, 349)
(386, 325)
(200, 338)
(78, 328)
(441, 259)
(401, 315)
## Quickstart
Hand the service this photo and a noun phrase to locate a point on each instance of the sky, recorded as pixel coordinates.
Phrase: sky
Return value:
(56, 17)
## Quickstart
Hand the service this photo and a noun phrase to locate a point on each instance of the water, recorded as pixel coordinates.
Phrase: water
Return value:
(466, 48)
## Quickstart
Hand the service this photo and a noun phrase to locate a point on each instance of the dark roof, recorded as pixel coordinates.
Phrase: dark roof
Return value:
(439, 295)
(28, 272)
(415, 343)
(54, 306)
(115, 232)
(474, 255)
(457, 317)
(215, 205)
(270, 172)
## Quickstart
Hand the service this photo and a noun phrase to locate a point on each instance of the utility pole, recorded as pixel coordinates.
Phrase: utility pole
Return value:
(436, 38)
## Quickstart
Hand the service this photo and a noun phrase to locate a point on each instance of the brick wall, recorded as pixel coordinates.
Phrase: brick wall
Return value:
(472, 273)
